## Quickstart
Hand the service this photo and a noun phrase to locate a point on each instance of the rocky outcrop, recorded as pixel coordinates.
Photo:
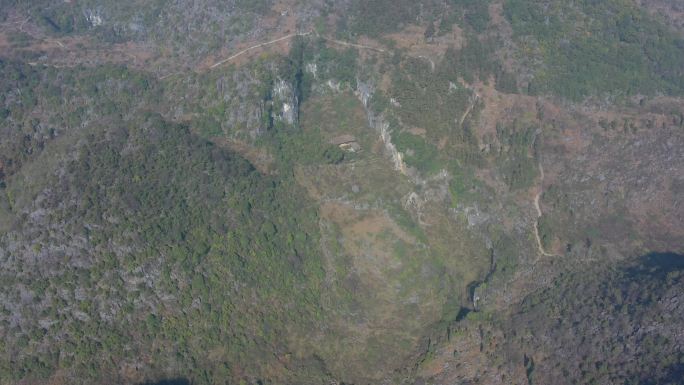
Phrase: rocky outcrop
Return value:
(94, 17)
(364, 92)
(286, 103)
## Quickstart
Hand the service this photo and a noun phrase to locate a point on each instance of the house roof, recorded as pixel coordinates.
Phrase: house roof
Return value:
(342, 139)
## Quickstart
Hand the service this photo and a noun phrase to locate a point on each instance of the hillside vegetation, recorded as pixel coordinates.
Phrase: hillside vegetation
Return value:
(395, 192)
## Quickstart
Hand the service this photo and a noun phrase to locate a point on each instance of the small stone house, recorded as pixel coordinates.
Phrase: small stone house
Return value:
(346, 143)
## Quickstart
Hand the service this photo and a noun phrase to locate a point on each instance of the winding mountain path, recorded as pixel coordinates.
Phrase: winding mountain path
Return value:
(347, 44)
(469, 109)
(290, 36)
(244, 51)
(539, 213)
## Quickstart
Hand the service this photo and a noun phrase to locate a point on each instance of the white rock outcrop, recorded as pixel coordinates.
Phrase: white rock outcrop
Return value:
(283, 92)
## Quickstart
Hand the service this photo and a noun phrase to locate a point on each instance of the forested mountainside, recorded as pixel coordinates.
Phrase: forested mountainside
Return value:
(343, 192)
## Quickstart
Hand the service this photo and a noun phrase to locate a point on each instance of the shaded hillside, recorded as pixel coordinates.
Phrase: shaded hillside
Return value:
(139, 222)
(597, 323)
(606, 327)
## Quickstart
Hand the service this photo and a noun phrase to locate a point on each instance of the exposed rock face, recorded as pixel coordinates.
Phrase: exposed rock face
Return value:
(94, 17)
(286, 102)
(312, 68)
(364, 92)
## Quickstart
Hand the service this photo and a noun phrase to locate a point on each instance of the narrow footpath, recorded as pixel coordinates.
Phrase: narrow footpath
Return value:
(539, 213)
